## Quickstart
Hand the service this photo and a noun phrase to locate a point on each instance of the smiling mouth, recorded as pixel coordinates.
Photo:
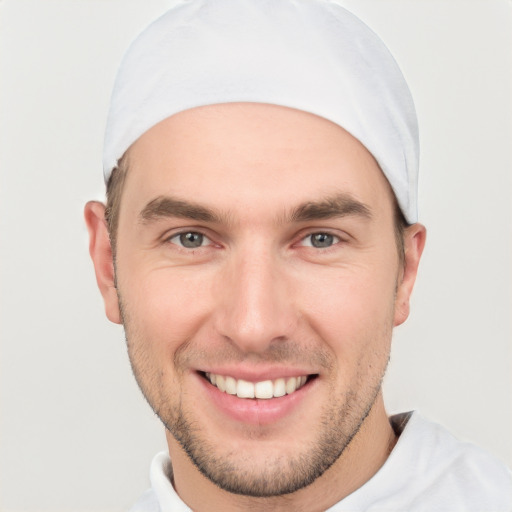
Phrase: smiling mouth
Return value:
(265, 389)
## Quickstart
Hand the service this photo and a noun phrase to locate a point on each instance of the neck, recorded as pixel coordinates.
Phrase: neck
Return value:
(362, 458)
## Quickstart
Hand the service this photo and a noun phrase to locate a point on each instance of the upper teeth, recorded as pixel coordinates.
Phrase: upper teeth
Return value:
(263, 389)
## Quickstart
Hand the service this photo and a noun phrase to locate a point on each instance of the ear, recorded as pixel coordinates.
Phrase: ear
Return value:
(101, 254)
(414, 242)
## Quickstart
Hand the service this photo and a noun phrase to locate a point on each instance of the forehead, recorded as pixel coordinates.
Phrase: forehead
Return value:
(241, 155)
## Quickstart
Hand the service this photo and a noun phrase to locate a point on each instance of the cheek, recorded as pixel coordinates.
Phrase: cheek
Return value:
(351, 309)
(167, 307)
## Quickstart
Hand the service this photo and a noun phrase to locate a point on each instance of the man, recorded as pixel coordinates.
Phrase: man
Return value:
(259, 244)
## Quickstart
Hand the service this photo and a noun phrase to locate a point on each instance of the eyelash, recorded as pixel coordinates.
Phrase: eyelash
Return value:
(190, 232)
(336, 240)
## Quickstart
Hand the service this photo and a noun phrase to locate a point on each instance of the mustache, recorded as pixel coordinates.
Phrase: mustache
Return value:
(283, 352)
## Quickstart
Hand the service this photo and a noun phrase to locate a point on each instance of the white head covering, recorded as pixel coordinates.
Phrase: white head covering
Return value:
(311, 55)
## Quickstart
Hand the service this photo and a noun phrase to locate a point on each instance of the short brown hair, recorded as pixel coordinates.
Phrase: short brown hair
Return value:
(115, 187)
(400, 226)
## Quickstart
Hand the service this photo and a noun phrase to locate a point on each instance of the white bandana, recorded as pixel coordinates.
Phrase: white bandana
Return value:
(311, 55)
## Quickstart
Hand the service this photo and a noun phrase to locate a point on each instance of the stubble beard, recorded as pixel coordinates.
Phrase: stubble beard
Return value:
(234, 472)
(237, 473)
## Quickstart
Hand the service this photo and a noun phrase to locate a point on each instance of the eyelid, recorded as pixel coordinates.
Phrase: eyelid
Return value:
(168, 238)
(337, 238)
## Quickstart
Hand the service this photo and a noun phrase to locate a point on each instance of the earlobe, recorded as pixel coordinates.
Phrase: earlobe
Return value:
(101, 254)
(414, 243)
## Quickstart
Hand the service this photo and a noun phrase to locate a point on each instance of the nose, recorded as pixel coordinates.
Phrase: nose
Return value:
(255, 307)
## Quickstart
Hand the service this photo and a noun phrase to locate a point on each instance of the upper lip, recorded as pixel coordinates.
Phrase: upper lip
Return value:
(257, 374)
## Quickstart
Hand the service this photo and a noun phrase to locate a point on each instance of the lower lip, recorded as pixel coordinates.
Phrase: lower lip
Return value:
(253, 410)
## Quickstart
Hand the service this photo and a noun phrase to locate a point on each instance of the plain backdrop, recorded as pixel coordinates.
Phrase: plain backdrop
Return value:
(75, 432)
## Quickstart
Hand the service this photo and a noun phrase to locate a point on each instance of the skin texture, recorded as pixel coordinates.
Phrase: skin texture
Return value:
(258, 299)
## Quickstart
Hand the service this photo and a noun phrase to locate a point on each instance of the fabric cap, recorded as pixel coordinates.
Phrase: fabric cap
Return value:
(311, 55)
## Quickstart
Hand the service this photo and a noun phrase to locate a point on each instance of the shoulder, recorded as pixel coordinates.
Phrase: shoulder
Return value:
(450, 474)
(161, 497)
(430, 470)
(148, 502)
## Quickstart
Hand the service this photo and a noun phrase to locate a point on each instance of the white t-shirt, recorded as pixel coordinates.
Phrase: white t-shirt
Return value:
(429, 470)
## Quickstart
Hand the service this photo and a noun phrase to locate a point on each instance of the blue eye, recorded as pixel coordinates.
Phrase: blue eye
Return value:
(320, 240)
(190, 240)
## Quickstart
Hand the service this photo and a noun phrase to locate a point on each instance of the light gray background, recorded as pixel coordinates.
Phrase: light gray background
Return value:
(75, 433)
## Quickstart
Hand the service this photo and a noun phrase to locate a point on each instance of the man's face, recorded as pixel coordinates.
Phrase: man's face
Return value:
(256, 243)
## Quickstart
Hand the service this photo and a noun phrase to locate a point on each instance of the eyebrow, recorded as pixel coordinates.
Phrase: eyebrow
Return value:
(338, 205)
(162, 207)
